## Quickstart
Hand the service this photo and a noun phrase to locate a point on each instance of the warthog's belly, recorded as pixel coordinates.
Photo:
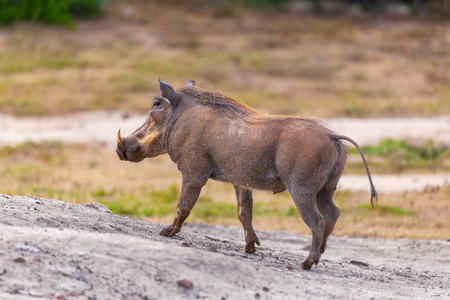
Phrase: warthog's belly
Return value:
(252, 179)
(275, 186)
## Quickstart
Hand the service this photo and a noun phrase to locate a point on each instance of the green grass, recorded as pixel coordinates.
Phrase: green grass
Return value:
(161, 203)
(358, 110)
(158, 203)
(399, 155)
(387, 210)
(213, 210)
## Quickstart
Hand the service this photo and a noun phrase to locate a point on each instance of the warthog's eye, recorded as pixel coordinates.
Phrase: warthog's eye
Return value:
(157, 103)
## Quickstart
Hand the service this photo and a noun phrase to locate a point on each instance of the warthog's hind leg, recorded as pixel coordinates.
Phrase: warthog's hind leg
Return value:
(306, 205)
(329, 212)
(245, 213)
(188, 198)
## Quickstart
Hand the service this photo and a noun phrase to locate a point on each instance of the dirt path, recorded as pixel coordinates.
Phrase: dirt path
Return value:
(370, 131)
(101, 127)
(394, 183)
(51, 248)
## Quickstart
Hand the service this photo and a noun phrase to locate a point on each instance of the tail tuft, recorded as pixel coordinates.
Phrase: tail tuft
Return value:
(373, 196)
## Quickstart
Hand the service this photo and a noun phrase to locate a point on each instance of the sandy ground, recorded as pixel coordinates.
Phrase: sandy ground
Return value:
(101, 127)
(52, 249)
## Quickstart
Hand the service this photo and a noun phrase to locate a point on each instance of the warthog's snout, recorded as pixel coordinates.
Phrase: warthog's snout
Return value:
(126, 146)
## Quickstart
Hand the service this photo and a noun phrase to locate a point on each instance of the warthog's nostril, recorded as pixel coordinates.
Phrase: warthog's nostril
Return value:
(133, 147)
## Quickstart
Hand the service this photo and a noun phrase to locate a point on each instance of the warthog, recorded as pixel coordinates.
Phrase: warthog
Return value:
(209, 135)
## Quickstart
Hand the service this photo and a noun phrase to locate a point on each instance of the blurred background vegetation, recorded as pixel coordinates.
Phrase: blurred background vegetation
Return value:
(319, 58)
(278, 56)
(62, 11)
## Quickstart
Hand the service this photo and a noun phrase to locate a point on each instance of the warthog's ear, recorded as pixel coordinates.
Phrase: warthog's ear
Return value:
(169, 93)
(190, 83)
(161, 108)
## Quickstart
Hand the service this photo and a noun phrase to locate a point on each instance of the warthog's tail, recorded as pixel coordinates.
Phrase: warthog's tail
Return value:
(373, 192)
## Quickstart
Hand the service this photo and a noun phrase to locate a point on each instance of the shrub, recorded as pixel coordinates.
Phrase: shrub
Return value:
(58, 12)
(46, 11)
(84, 8)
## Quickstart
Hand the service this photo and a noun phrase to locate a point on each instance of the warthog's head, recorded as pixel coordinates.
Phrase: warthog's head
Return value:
(146, 141)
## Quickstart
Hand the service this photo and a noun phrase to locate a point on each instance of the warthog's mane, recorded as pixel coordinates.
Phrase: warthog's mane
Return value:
(219, 101)
(234, 108)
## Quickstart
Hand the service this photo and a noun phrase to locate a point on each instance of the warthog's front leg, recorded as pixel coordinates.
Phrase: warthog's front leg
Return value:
(187, 200)
(245, 213)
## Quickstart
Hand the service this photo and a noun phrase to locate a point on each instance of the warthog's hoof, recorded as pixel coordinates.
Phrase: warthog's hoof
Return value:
(308, 263)
(250, 247)
(170, 231)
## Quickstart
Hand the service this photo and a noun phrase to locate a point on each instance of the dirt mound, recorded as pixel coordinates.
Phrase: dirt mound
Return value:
(53, 249)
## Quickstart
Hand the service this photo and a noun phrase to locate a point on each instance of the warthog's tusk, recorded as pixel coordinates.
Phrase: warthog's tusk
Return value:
(120, 140)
